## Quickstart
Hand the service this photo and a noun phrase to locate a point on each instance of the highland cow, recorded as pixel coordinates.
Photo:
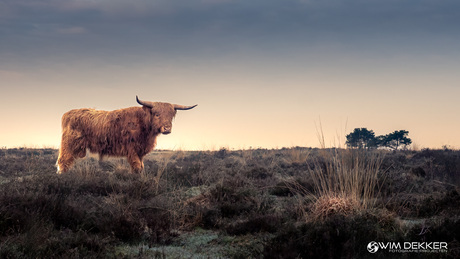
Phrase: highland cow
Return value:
(129, 132)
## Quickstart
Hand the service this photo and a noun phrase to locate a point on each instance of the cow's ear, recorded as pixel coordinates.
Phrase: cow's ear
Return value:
(151, 110)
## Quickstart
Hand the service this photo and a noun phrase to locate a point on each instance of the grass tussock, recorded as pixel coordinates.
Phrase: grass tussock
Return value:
(338, 181)
(326, 206)
(286, 203)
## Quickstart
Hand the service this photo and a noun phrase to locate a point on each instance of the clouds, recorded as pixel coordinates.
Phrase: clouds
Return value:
(269, 13)
(72, 30)
(44, 29)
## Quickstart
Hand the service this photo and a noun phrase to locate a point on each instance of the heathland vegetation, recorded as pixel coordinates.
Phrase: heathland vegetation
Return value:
(285, 203)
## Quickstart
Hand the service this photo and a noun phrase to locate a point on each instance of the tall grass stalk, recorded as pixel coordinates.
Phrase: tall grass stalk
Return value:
(86, 168)
(320, 134)
(162, 160)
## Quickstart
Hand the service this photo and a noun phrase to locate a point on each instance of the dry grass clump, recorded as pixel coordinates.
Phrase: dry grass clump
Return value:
(349, 173)
(343, 181)
(326, 206)
(297, 155)
(86, 168)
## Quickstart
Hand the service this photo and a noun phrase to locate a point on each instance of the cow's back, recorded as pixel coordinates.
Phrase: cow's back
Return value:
(106, 132)
(76, 119)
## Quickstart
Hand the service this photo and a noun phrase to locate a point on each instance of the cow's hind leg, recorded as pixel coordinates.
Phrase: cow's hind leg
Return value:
(68, 153)
(64, 162)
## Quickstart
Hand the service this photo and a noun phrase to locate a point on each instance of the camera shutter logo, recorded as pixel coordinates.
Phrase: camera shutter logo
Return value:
(372, 247)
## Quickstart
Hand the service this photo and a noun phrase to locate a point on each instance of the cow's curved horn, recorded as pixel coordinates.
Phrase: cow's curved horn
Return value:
(183, 107)
(144, 103)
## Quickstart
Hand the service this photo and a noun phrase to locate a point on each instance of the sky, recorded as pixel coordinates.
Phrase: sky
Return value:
(264, 73)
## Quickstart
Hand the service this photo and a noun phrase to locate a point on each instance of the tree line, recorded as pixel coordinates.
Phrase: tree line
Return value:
(364, 138)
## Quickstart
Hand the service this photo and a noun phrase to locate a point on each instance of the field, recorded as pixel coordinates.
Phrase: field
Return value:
(284, 203)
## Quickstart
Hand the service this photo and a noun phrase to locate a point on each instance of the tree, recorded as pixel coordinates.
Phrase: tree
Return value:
(396, 139)
(364, 138)
(361, 138)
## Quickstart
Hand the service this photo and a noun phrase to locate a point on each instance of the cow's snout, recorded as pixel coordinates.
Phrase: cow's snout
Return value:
(166, 130)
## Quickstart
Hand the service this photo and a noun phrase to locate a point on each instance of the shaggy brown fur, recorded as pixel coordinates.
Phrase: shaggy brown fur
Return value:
(129, 132)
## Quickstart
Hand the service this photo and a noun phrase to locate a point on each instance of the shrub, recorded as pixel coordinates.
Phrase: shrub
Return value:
(335, 237)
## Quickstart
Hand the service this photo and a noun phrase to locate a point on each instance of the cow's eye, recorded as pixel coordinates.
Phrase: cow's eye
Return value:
(157, 115)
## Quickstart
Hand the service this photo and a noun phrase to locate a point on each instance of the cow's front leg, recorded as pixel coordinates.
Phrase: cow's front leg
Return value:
(136, 163)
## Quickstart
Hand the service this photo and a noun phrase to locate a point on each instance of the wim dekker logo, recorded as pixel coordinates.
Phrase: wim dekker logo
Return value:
(372, 247)
(408, 247)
